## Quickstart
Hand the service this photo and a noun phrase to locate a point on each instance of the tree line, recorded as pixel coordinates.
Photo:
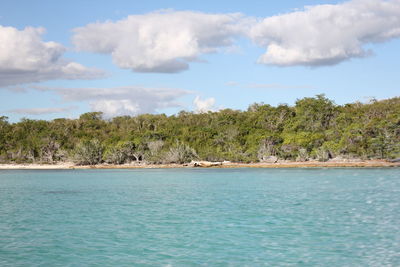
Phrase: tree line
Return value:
(314, 128)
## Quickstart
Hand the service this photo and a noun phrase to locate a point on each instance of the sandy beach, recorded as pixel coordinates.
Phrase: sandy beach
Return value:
(307, 164)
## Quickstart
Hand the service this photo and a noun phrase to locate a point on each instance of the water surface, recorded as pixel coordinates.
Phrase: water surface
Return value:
(200, 217)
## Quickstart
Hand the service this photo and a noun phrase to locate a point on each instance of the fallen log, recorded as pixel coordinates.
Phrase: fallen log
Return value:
(205, 164)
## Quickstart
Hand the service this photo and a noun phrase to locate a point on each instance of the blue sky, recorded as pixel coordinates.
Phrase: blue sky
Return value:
(327, 48)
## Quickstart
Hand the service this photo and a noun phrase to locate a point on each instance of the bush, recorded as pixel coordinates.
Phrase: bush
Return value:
(115, 155)
(322, 154)
(302, 155)
(122, 152)
(153, 151)
(181, 153)
(88, 152)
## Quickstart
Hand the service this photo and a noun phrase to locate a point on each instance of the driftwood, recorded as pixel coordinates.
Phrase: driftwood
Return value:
(205, 164)
(269, 159)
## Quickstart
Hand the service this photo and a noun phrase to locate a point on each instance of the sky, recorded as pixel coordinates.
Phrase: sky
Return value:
(64, 58)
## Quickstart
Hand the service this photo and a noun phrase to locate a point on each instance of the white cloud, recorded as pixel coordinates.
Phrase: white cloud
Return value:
(26, 58)
(326, 34)
(168, 41)
(113, 108)
(202, 106)
(164, 41)
(40, 111)
(121, 101)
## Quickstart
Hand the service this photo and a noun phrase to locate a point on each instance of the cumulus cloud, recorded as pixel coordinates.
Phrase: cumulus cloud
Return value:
(26, 58)
(121, 101)
(164, 41)
(203, 106)
(326, 34)
(167, 41)
(41, 111)
(113, 108)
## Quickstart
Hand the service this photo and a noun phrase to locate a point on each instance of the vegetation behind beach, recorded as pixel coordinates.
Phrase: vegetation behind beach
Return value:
(314, 128)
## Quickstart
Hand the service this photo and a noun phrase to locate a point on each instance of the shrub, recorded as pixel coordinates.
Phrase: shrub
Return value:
(115, 155)
(180, 153)
(88, 152)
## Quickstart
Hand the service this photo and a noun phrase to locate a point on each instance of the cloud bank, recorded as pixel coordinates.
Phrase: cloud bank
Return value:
(165, 41)
(120, 101)
(26, 58)
(326, 34)
(168, 41)
(315, 36)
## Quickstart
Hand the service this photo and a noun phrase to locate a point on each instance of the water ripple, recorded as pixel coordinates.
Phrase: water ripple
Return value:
(246, 217)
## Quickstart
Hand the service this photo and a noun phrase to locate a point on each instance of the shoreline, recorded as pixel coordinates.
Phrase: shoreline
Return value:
(307, 164)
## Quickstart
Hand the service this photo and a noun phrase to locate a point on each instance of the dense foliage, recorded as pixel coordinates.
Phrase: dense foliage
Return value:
(314, 128)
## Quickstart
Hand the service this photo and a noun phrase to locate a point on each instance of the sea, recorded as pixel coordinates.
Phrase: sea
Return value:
(200, 217)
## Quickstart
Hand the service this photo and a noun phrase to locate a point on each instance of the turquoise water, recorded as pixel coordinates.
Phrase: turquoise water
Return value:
(200, 217)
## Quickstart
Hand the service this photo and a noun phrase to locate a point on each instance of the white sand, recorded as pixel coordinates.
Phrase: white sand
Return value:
(66, 165)
(286, 164)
